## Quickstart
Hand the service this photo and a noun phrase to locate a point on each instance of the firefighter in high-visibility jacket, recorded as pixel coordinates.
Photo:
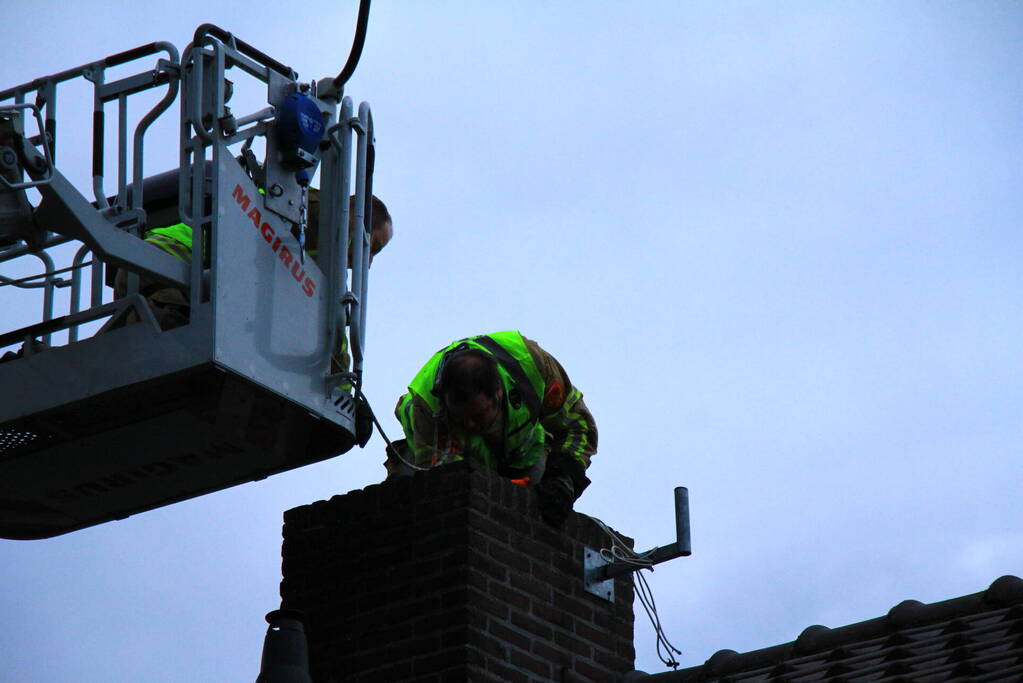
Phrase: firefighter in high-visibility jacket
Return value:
(169, 305)
(502, 401)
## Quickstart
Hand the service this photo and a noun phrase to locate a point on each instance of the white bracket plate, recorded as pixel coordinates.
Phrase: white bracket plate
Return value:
(592, 561)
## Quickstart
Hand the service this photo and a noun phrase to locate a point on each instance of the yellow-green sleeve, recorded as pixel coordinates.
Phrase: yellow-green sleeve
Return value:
(571, 427)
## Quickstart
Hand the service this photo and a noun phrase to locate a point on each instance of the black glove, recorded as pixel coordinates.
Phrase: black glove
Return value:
(556, 495)
(399, 455)
(564, 480)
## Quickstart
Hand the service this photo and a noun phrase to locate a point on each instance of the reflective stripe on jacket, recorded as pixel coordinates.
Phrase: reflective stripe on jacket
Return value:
(175, 239)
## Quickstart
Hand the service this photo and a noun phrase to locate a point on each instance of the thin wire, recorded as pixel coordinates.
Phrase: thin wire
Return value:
(665, 650)
(621, 552)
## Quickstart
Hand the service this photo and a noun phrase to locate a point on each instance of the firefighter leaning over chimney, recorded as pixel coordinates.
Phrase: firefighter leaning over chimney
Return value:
(501, 400)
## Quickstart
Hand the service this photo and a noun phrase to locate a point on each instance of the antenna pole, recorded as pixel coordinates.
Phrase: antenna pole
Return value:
(682, 547)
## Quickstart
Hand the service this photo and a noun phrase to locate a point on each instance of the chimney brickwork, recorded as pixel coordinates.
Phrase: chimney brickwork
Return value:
(450, 575)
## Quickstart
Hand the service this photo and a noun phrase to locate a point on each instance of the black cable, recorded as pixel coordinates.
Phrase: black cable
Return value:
(665, 650)
(390, 446)
(357, 43)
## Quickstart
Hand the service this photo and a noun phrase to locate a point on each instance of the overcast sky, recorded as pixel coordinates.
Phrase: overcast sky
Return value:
(776, 245)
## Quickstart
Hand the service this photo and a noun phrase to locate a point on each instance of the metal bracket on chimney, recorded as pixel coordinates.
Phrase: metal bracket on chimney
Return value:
(599, 573)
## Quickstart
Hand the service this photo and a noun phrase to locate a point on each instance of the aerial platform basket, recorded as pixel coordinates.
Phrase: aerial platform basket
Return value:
(135, 416)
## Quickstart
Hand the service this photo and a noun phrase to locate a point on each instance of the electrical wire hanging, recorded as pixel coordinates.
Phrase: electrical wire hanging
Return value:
(665, 650)
(621, 552)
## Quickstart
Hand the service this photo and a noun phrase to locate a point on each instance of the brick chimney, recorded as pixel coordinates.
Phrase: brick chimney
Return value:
(450, 575)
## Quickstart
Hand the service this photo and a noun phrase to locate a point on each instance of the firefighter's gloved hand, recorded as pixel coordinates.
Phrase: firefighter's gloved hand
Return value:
(556, 494)
(399, 457)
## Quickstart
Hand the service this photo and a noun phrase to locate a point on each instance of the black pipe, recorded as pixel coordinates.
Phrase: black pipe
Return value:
(285, 649)
(357, 43)
(133, 54)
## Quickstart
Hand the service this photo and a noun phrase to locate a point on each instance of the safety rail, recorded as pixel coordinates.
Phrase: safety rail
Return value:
(351, 311)
(164, 73)
(124, 209)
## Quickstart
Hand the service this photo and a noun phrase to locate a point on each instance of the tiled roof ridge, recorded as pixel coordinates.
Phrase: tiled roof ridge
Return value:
(1003, 592)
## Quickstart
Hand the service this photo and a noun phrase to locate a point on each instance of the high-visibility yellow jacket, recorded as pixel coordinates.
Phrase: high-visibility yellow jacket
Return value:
(542, 411)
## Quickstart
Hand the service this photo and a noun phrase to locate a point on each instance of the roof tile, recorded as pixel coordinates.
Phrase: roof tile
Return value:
(979, 636)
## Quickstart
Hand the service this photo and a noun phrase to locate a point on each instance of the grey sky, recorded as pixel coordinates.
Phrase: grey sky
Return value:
(777, 246)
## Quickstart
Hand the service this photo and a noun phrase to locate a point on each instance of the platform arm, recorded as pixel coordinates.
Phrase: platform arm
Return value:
(66, 212)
